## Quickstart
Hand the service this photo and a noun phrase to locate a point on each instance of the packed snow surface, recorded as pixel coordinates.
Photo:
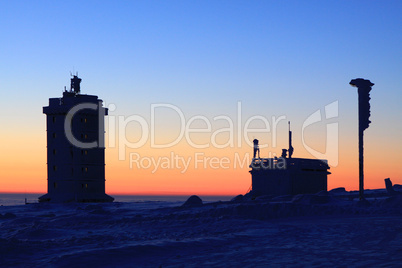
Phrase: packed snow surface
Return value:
(306, 230)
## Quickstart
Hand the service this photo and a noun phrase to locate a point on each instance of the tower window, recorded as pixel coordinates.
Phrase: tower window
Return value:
(54, 151)
(54, 119)
(84, 185)
(55, 168)
(55, 184)
(85, 169)
(54, 135)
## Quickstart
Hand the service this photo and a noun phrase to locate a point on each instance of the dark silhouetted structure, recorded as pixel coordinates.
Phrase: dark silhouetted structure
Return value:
(288, 176)
(75, 148)
(284, 153)
(390, 188)
(256, 148)
(290, 150)
(363, 89)
(75, 84)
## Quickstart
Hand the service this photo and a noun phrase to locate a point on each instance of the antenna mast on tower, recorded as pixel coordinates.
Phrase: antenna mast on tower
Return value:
(290, 150)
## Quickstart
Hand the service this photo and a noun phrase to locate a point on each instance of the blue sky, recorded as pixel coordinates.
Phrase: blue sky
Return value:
(166, 50)
(276, 57)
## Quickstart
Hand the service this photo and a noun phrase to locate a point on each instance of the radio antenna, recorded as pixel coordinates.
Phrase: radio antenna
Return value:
(290, 150)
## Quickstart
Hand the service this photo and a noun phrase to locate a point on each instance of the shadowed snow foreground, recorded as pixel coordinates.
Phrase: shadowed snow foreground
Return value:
(254, 233)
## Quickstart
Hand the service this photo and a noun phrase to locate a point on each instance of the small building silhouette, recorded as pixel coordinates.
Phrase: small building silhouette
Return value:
(75, 148)
(287, 175)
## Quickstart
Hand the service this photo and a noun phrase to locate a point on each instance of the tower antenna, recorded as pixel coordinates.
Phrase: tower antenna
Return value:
(290, 150)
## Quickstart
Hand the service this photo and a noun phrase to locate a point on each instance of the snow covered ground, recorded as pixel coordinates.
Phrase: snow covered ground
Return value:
(307, 230)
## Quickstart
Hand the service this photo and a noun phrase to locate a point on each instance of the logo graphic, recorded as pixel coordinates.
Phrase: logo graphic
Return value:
(331, 150)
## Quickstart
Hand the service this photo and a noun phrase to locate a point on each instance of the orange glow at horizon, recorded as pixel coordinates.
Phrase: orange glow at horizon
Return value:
(24, 167)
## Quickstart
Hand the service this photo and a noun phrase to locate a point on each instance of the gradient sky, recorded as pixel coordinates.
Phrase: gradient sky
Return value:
(203, 57)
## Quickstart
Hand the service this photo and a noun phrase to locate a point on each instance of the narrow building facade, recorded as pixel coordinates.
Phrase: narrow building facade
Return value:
(75, 148)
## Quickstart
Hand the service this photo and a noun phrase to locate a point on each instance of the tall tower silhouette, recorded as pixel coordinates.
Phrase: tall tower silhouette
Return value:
(363, 90)
(75, 147)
